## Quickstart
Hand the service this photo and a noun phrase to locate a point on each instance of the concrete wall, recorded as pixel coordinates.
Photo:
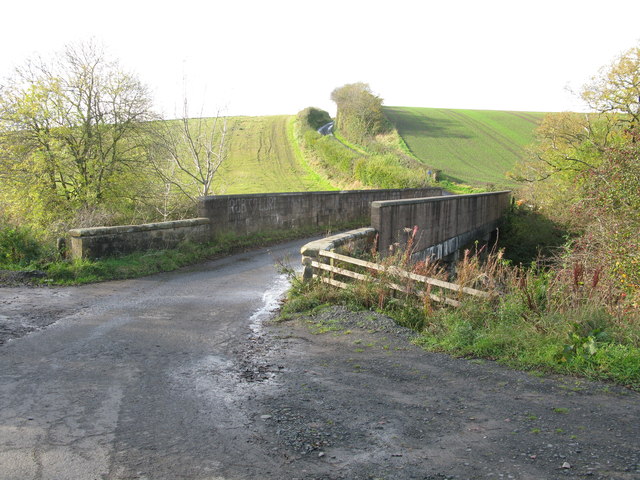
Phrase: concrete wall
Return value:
(345, 243)
(445, 223)
(244, 214)
(109, 241)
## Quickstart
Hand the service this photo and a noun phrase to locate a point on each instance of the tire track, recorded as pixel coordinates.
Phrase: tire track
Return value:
(500, 139)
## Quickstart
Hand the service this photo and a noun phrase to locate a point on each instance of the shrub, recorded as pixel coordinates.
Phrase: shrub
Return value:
(314, 117)
(555, 318)
(18, 246)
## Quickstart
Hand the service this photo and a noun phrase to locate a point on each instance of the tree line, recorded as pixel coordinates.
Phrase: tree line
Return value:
(584, 173)
(80, 145)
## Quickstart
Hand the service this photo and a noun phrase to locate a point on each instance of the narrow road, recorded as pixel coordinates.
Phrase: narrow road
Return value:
(177, 376)
(137, 379)
(326, 129)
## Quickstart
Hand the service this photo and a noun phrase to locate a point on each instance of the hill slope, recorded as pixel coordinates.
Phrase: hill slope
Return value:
(263, 158)
(470, 146)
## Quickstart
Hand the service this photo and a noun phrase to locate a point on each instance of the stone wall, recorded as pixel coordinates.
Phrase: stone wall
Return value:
(444, 223)
(243, 214)
(100, 242)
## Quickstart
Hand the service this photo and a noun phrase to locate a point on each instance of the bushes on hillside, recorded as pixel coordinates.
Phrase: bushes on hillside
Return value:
(314, 117)
(376, 167)
(359, 113)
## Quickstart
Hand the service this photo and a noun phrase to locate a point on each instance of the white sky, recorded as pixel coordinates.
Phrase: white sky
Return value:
(262, 57)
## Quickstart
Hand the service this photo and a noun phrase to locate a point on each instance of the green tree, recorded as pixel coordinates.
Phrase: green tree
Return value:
(585, 172)
(359, 112)
(570, 145)
(69, 129)
(616, 89)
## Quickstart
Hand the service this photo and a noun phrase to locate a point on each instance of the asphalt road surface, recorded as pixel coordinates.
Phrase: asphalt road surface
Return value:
(176, 376)
(136, 379)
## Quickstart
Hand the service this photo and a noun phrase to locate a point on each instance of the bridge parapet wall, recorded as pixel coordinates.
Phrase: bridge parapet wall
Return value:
(244, 214)
(98, 242)
(445, 224)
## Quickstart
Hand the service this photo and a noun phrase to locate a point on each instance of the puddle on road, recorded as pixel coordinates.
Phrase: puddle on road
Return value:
(228, 380)
(271, 301)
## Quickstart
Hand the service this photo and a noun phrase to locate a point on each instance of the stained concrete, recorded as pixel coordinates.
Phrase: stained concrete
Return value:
(439, 219)
(243, 214)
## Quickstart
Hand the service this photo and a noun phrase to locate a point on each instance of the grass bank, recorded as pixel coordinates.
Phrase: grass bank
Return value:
(566, 319)
(375, 165)
(263, 158)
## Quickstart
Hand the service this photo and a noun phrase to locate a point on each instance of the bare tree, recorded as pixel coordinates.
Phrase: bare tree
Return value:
(187, 153)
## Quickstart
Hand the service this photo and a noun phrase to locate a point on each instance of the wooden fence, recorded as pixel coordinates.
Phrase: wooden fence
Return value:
(345, 271)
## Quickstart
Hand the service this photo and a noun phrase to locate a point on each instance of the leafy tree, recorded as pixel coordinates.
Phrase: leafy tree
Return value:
(570, 145)
(585, 172)
(610, 204)
(359, 113)
(69, 129)
(616, 90)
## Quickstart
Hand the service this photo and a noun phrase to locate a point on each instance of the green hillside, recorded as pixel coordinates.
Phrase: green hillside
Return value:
(263, 157)
(469, 146)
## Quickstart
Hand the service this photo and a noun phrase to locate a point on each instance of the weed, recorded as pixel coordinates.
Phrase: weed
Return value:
(535, 317)
(19, 246)
(324, 326)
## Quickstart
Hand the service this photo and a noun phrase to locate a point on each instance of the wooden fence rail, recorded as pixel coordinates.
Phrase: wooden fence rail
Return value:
(394, 271)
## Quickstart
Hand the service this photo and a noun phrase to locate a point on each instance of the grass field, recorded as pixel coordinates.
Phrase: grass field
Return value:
(469, 146)
(263, 158)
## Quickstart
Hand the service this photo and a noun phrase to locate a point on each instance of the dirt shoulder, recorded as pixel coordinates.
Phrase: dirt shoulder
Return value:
(357, 400)
(344, 395)
(25, 309)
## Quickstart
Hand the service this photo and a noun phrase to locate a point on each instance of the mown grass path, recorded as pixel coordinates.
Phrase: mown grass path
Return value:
(262, 158)
(472, 146)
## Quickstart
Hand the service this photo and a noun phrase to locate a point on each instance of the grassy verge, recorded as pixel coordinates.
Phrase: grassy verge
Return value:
(312, 176)
(563, 320)
(139, 264)
(385, 161)
(356, 166)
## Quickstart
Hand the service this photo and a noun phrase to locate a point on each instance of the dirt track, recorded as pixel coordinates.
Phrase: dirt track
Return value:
(177, 376)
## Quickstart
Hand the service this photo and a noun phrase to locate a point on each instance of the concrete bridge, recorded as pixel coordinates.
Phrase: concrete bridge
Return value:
(444, 225)
(446, 222)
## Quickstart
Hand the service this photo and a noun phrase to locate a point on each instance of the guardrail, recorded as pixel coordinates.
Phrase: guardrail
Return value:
(392, 271)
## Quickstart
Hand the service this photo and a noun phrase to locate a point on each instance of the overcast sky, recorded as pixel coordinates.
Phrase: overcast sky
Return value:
(260, 57)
